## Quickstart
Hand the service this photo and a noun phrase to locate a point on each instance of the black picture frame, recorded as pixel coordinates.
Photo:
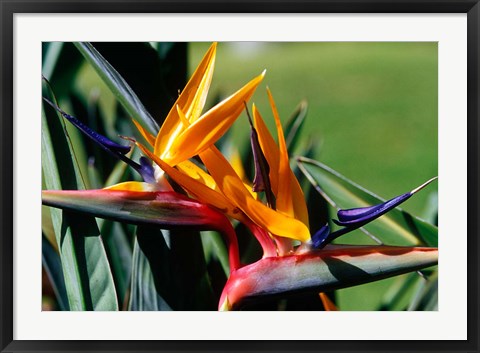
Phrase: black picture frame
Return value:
(10, 7)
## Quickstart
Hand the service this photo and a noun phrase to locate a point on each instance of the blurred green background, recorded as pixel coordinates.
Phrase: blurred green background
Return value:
(372, 112)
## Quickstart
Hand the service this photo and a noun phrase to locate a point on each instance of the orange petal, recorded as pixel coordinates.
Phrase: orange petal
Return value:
(275, 222)
(195, 101)
(206, 130)
(234, 189)
(146, 135)
(195, 172)
(284, 196)
(191, 101)
(196, 187)
(327, 303)
(299, 203)
(237, 164)
(133, 186)
(269, 148)
(290, 197)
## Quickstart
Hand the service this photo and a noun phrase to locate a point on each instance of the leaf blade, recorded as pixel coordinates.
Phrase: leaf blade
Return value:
(143, 293)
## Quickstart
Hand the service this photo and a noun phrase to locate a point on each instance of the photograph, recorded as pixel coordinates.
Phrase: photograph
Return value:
(240, 175)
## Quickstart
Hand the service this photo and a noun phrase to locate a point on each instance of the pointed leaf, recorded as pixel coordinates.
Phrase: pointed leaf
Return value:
(47, 227)
(332, 268)
(119, 252)
(53, 268)
(214, 247)
(176, 266)
(398, 294)
(119, 87)
(294, 125)
(155, 78)
(397, 227)
(426, 298)
(143, 294)
(60, 65)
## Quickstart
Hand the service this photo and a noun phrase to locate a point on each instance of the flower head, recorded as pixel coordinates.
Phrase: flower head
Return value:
(212, 192)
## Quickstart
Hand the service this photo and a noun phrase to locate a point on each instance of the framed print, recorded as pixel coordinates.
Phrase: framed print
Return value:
(309, 170)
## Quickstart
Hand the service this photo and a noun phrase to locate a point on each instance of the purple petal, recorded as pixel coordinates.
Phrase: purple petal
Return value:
(261, 165)
(356, 217)
(366, 214)
(319, 239)
(146, 170)
(95, 136)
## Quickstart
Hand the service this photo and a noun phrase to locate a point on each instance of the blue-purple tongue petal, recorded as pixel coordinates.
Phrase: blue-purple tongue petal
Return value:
(95, 136)
(365, 214)
(320, 237)
(360, 216)
(146, 170)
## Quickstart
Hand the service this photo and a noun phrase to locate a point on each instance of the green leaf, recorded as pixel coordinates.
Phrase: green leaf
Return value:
(47, 227)
(334, 267)
(119, 253)
(53, 268)
(60, 65)
(51, 54)
(397, 227)
(430, 213)
(143, 293)
(118, 173)
(397, 293)
(175, 273)
(426, 297)
(88, 280)
(119, 87)
(294, 125)
(155, 75)
(214, 247)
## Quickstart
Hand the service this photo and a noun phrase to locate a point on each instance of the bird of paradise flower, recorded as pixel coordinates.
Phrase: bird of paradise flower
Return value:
(215, 192)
